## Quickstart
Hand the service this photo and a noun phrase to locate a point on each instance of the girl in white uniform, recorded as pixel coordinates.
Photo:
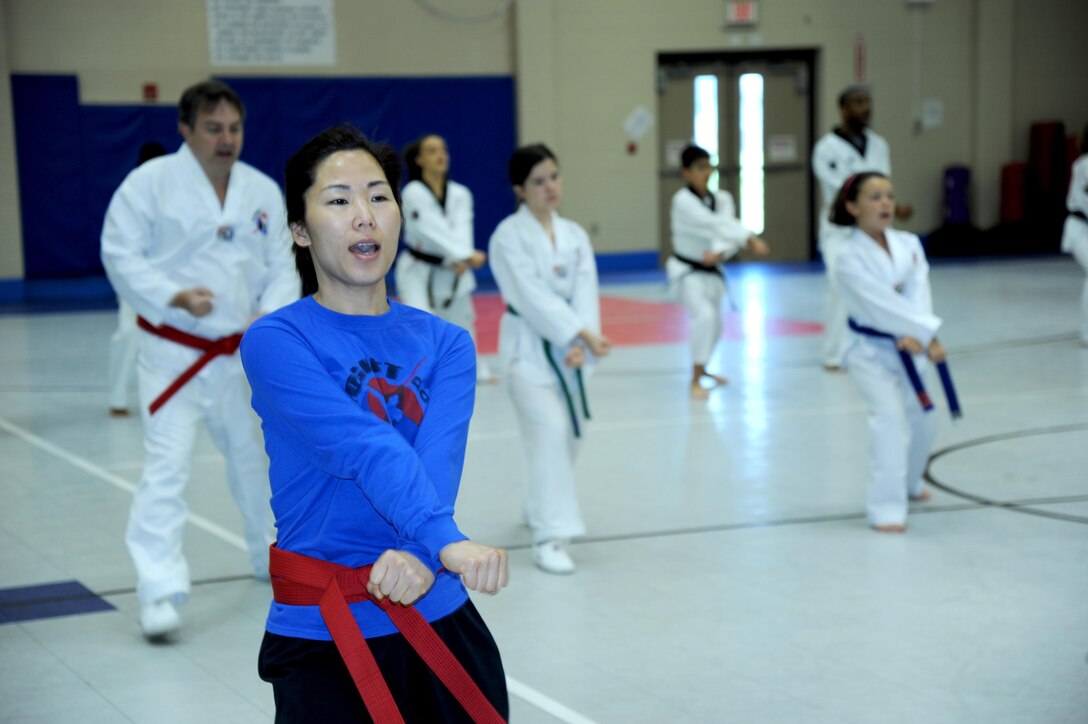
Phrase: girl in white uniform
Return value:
(435, 271)
(850, 148)
(1075, 233)
(883, 277)
(549, 335)
(705, 233)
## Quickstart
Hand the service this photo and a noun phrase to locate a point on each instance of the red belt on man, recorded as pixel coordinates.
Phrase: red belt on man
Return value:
(211, 348)
(299, 580)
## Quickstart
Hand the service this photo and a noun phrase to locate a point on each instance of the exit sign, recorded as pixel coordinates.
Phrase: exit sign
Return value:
(740, 13)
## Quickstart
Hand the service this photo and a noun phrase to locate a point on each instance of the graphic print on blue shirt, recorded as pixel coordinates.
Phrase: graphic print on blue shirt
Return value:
(402, 404)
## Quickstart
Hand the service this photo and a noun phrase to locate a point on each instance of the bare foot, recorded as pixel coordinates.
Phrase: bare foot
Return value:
(716, 380)
(921, 497)
(698, 392)
(119, 412)
(890, 528)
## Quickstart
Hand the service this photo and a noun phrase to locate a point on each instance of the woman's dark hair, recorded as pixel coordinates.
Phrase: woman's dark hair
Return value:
(524, 159)
(205, 97)
(411, 152)
(1084, 139)
(302, 168)
(849, 192)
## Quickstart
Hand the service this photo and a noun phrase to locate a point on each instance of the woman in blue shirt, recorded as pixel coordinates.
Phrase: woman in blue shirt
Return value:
(365, 406)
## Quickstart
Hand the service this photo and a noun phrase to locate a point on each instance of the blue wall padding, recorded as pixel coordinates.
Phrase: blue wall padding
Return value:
(49, 157)
(72, 157)
(475, 116)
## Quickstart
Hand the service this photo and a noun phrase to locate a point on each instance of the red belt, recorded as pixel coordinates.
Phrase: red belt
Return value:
(212, 348)
(299, 580)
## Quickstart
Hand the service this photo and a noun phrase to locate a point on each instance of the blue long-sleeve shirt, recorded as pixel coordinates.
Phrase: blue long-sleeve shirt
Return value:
(365, 421)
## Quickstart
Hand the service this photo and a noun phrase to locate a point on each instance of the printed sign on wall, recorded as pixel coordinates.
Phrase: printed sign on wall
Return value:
(280, 32)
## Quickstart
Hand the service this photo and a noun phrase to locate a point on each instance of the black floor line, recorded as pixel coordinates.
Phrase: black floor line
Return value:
(1015, 506)
(917, 509)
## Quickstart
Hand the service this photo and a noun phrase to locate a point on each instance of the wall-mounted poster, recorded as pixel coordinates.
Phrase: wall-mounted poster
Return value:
(271, 32)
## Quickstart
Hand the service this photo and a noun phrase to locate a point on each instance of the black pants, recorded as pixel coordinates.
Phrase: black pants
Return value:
(311, 683)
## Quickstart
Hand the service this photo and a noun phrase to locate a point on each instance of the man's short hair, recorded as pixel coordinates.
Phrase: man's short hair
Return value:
(205, 97)
(691, 154)
(851, 90)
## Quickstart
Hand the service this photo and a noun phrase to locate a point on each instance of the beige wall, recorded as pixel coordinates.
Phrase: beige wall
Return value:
(1050, 66)
(583, 65)
(992, 102)
(604, 56)
(11, 234)
(995, 64)
(116, 46)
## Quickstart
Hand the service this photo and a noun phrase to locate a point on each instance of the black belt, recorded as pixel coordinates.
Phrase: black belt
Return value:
(699, 266)
(435, 261)
(912, 373)
(423, 256)
(717, 270)
(563, 383)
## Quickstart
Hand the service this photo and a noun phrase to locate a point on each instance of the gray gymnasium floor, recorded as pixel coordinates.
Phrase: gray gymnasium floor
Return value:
(729, 574)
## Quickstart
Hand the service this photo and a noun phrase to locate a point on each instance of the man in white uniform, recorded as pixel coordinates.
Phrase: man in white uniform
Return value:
(195, 242)
(848, 149)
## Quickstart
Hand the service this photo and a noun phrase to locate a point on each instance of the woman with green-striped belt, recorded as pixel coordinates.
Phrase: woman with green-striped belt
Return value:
(549, 339)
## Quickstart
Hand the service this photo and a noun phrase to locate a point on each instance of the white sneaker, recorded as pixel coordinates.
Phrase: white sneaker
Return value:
(159, 619)
(551, 557)
(484, 373)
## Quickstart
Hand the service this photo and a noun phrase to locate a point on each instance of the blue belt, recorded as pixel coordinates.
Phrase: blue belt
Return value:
(914, 377)
(563, 383)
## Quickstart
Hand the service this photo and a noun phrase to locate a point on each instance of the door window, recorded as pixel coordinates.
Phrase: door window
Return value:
(751, 151)
(706, 121)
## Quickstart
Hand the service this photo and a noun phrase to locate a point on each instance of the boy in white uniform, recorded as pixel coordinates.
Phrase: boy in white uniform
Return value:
(705, 233)
(196, 243)
(850, 148)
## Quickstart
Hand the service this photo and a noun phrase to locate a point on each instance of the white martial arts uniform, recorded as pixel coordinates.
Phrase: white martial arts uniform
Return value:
(1075, 233)
(122, 359)
(165, 232)
(444, 232)
(696, 227)
(553, 289)
(834, 159)
(889, 293)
